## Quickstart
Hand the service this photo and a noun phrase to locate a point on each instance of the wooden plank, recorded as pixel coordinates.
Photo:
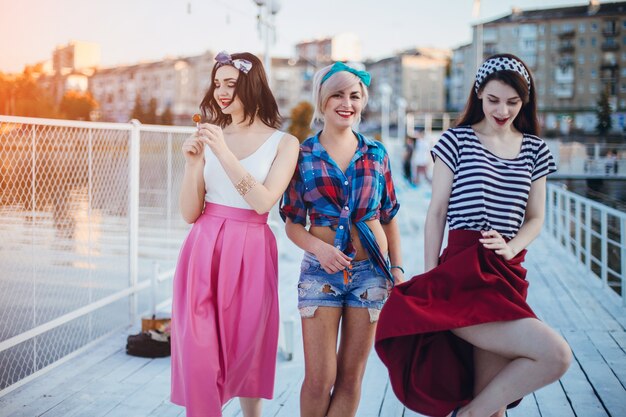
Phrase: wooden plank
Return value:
(527, 408)
(553, 402)
(76, 368)
(613, 354)
(581, 393)
(605, 383)
(373, 387)
(607, 300)
(391, 406)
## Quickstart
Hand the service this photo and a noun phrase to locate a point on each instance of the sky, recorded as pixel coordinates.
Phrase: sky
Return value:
(132, 31)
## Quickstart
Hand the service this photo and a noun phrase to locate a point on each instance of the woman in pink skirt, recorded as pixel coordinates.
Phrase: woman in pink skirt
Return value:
(460, 339)
(225, 302)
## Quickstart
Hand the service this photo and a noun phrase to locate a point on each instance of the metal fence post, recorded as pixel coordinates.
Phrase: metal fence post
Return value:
(550, 210)
(577, 231)
(133, 215)
(622, 241)
(604, 250)
(156, 270)
(170, 168)
(588, 229)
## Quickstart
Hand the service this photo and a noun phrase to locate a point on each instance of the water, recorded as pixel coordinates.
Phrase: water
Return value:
(611, 192)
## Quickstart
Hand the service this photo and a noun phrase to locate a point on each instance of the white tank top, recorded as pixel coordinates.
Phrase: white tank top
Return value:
(219, 188)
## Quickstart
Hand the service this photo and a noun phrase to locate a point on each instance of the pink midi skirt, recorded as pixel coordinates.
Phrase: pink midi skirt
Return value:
(224, 311)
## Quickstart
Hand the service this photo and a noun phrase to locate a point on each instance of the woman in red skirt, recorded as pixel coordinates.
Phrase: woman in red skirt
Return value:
(460, 339)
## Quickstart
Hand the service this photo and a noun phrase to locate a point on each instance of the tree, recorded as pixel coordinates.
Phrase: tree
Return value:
(21, 96)
(301, 116)
(76, 105)
(138, 112)
(167, 118)
(603, 113)
(150, 116)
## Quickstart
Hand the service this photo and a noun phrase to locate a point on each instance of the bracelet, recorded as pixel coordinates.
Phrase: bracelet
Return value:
(397, 266)
(245, 184)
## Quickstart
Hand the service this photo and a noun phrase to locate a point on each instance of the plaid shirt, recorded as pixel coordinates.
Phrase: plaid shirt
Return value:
(337, 199)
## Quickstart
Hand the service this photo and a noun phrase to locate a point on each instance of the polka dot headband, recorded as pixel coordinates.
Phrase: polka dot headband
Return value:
(500, 63)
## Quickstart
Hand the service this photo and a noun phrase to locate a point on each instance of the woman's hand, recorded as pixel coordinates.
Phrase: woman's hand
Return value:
(213, 136)
(398, 276)
(331, 259)
(192, 149)
(494, 241)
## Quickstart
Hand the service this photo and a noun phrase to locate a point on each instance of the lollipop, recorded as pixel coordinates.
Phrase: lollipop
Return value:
(196, 118)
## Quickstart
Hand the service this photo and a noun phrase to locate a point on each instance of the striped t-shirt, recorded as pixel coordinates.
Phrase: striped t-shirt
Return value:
(489, 192)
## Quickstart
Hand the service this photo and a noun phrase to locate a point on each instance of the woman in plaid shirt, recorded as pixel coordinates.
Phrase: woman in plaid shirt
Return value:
(352, 255)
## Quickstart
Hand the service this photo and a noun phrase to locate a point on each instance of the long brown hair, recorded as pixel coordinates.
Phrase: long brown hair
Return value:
(254, 92)
(526, 120)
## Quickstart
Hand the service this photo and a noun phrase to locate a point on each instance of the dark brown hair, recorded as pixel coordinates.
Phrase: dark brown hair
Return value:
(526, 120)
(254, 92)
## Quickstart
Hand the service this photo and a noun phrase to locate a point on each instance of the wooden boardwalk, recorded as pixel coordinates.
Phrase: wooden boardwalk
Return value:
(107, 382)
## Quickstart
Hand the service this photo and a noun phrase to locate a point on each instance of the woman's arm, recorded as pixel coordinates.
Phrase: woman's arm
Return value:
(392, 232)
(533, 221)
(261, 197)
(191, 199)
(330, 258)
(436, 216)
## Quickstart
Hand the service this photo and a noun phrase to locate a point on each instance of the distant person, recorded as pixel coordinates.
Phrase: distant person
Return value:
(343, 187)
(610, 166)
(407, 170)
(225, 302)
(420, 160)
(460, 339)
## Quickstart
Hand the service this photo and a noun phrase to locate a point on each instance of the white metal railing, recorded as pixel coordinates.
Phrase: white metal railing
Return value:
(593, 232)
(85, 211)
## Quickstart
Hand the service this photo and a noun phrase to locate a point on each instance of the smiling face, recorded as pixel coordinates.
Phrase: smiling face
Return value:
(501, 104)
(343, 107)
(224, 94)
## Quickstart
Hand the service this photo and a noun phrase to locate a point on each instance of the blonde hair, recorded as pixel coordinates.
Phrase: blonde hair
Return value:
(336, 82)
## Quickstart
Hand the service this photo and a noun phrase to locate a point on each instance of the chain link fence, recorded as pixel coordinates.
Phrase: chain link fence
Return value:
(86, 209)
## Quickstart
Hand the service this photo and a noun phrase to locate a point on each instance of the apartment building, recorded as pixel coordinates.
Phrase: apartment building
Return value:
(418, 76)
(575, 53)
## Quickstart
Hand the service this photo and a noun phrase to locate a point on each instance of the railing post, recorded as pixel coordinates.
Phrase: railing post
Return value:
(561, 214)
(577, 232)
(622, 274)
(604, 250)
(89, 217)
(156, 270)
(133, 214)
(567, 219)
(550, 210)
(32, 247)
(588, 229)
(169, 184)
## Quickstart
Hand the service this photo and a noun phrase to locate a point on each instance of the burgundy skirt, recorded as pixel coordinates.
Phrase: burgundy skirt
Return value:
(431, 370)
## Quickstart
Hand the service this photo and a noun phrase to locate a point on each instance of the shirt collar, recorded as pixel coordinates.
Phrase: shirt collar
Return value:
(364, 143)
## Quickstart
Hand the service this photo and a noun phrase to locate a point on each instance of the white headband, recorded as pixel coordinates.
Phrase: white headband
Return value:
(500, 63)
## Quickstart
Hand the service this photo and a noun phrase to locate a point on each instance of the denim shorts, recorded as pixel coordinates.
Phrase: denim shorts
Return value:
(361, 286)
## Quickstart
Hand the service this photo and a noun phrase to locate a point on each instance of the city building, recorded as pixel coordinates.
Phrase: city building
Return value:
(574, 53)
(417, 76)
(319, 52)
(175, 83)
(70, 68)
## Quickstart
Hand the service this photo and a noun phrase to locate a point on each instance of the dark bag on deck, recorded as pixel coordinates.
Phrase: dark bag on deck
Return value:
(150, 344)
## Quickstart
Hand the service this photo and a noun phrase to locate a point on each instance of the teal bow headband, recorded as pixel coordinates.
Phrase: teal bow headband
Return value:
(340, 66)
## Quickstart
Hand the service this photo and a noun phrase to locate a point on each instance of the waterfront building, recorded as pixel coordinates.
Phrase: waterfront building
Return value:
(575, 53)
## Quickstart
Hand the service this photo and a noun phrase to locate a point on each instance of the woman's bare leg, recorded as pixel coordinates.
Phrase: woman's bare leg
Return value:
(251, 407)
(357, 337)
(486, 366)
(538, 355)
(319, 335)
